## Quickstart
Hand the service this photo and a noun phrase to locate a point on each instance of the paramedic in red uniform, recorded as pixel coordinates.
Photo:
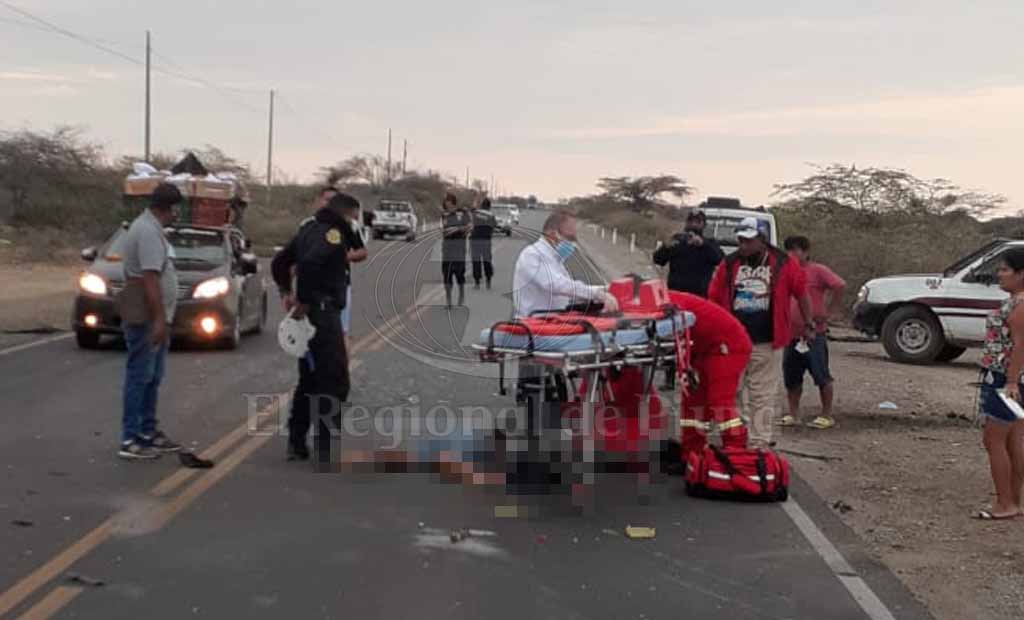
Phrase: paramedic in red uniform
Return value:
(720, 352)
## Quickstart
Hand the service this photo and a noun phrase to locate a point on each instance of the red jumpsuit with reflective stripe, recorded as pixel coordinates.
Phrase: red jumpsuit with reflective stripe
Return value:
(721, 350)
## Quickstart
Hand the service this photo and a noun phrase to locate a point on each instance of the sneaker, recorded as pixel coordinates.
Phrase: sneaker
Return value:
(135, 450)
(788, 420)
(162, 443)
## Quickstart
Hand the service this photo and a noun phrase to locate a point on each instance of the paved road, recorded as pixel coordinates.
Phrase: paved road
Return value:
(258, 537)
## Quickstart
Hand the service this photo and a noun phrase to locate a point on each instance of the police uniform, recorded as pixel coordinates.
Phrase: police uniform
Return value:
(480, 245)
(453, 252)
(318, 253)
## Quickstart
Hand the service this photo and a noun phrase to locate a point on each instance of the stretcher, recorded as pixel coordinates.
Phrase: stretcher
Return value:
(584, 363)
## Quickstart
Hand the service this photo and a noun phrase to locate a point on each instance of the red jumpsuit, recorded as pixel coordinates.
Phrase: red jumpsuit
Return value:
(721, 350)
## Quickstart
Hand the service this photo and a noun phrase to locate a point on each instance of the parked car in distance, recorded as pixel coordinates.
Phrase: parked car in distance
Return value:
(395, 217)
(503, 218)
(725, 214)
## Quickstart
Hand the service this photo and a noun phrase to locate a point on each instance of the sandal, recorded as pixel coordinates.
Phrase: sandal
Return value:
(788, 420)
(985, 515)
(821, 423)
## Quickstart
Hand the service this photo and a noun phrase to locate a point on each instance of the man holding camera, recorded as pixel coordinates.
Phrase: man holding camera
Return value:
(690, 257)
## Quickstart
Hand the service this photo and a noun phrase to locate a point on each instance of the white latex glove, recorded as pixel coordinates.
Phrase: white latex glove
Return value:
(610, 303)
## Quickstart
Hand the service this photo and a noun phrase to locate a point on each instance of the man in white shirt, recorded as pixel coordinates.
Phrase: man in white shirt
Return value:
(541, 281)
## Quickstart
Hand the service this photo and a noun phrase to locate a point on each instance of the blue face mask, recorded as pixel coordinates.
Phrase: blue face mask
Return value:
(565, 249)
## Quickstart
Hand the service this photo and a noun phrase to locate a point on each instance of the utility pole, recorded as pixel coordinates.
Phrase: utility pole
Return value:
(270, 148)
(405, 152)
(467, 176)
(389, 156)
(148, 54)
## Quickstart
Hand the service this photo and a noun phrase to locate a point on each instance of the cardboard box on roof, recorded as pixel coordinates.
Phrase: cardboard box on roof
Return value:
(142, 185)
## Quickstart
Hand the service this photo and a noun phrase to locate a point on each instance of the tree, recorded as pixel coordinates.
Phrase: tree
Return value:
(644, 192)
(44, 163)
(887, 190)
(370, 170)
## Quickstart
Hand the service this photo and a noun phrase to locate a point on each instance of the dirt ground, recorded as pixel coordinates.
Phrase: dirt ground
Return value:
(906, 480)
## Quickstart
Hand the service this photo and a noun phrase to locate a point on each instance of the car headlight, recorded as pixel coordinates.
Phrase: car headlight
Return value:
(92, 283)
(214, 287)
(862, 295)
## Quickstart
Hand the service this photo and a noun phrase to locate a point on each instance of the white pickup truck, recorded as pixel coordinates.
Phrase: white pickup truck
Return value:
(927, 318)
(392, 217)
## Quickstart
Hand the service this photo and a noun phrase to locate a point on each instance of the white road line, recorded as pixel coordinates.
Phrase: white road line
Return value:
(854, 584)
(35, 343)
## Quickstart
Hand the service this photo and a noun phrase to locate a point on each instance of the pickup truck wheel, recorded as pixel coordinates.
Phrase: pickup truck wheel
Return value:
(912, 335)
(949, 353)
(410, 237)
(87, 339)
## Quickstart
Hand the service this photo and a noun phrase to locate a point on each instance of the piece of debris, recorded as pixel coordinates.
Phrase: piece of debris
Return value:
(842, 506)
(639, 532)
(888, 405)
(85, 580)
(189, 459)
(575, 540)
(421, 525)
(22, 523)
(808, 455)
(506, 512)
(610, 532)
(541, 539)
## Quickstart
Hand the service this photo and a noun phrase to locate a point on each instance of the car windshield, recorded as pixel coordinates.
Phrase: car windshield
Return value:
(192, 245)
(722, 228)
(394, 206)
(964, 262)
(113, 249)
(500, 211)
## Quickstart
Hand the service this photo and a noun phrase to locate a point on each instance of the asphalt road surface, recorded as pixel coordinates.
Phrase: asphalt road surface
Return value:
(258, 537)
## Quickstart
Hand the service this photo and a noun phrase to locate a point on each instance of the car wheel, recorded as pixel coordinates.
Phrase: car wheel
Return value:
(912, 335)
(87, 339)
(230, 342)
(410, 237)
(949, 353)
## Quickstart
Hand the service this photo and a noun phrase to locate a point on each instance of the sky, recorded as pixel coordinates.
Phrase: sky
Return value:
(546, 97)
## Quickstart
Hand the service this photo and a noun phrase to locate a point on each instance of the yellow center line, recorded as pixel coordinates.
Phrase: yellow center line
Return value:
(101, 533)
(52, 603)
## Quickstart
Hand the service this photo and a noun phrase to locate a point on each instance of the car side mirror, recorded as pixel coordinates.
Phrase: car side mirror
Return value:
(89, 255)
(250, 264)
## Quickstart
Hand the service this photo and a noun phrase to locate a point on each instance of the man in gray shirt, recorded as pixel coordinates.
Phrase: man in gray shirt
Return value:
(147, 307)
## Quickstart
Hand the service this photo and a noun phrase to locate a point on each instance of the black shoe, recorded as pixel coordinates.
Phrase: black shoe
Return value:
(297, 452)
(162, 443)
(137, 451)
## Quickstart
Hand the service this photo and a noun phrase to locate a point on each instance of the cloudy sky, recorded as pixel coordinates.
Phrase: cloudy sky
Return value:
(546, 96)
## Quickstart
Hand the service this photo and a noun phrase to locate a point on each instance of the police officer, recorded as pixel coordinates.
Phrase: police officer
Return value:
(457, 225)
(318, 253)
(480, 243)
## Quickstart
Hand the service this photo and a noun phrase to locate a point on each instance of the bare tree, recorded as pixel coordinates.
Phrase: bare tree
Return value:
(644, 192)
(887, 190)
(45, 163)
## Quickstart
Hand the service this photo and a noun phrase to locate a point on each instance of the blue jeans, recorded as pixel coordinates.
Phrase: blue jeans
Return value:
(142, 375)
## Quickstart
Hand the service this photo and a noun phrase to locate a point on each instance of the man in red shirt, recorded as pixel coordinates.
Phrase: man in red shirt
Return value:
(808, 352)
(756, 284)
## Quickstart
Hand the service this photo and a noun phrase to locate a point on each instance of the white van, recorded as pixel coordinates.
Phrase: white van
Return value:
(725, 214)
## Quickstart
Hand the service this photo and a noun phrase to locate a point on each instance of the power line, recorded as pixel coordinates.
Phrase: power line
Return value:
(223, 91)
(70, 34)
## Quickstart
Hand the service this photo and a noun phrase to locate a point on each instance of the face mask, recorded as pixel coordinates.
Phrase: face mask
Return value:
(565, 249)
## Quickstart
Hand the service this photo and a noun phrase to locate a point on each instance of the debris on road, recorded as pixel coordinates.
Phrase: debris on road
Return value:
(85, 580)
(808, 455)
(610, 532)
(506, 512)
(189, 459)
(22, 523)
(888, 405)
(639, 532)
(842, 506)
